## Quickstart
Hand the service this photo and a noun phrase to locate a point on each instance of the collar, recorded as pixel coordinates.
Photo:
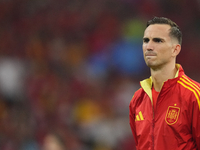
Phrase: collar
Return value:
(147, 83)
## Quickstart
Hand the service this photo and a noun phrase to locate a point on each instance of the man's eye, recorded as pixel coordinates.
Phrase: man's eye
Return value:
(145, 40)
(157, 40)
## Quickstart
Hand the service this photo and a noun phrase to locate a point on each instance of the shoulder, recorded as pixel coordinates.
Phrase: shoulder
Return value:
(188, 83)
(190, 89)
(137, 95)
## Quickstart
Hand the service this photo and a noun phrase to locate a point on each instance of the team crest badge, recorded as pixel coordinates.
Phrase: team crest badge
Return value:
(172, 115)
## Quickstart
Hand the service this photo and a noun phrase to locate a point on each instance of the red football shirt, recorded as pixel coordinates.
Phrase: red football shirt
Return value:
(155, 97)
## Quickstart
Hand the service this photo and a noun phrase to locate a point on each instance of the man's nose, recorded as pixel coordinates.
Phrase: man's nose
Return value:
(150, 46)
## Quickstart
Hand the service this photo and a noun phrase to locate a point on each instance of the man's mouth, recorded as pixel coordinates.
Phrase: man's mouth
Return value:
(150, 54)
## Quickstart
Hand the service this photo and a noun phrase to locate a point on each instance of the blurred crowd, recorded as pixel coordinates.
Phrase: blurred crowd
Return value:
(69, 68)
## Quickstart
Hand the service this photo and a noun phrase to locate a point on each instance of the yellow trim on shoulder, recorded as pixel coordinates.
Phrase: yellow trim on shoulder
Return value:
(191, 82)
(189, 88)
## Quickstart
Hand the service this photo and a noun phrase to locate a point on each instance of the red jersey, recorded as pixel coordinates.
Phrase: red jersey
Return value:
(174, 124)
(154, 97)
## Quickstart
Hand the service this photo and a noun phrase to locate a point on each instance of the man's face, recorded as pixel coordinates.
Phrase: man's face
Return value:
(158, 46)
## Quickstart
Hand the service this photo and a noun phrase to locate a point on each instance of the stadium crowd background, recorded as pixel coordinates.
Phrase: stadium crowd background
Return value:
(69, 68)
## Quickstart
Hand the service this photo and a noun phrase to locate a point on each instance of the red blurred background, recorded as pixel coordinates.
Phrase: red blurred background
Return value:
(69, 68)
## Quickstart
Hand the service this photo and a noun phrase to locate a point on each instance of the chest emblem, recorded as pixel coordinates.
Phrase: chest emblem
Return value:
(172, 115)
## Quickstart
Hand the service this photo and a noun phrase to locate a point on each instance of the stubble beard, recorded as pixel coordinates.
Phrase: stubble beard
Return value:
(154, 65)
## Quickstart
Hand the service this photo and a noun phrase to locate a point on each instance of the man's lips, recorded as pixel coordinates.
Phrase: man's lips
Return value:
(150, 54)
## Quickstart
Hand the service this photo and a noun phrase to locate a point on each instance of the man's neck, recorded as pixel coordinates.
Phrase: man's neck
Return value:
(159, 76)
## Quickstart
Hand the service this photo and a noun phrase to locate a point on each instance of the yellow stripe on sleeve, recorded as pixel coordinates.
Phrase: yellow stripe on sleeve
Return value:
(191, 82)
(198, 101)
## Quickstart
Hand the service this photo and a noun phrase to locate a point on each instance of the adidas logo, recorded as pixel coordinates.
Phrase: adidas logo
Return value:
(139, 117)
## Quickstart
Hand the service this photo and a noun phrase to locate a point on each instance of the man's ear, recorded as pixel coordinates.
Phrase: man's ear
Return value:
(177, 49)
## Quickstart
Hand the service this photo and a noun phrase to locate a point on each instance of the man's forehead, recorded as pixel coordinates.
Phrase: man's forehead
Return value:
(157, 30)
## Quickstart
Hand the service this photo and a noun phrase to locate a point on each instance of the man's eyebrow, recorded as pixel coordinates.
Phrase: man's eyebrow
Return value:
(158, 38)
(145, 38)
(155, 38)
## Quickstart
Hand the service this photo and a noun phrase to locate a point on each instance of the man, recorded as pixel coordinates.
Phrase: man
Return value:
(165, 112)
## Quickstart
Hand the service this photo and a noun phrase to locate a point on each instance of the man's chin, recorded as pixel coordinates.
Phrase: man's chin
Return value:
(152, 65)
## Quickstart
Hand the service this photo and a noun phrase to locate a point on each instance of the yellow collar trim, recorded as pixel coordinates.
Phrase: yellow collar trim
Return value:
(147, 83)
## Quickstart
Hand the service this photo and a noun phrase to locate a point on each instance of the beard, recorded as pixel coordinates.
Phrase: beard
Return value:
(155, 64)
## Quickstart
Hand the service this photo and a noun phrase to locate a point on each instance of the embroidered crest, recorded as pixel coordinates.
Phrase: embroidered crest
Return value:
(172, 115)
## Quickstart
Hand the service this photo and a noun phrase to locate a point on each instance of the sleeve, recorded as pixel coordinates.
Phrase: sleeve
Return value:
(196, 123)
(132, 119)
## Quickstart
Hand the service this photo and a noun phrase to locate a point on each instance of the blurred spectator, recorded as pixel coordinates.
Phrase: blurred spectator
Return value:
(54, 142)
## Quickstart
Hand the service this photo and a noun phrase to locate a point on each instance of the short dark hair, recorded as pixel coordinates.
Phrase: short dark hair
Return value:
(174, 31)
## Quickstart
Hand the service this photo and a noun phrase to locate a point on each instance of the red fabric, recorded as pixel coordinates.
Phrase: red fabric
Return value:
(175, 125)
(155, 97)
